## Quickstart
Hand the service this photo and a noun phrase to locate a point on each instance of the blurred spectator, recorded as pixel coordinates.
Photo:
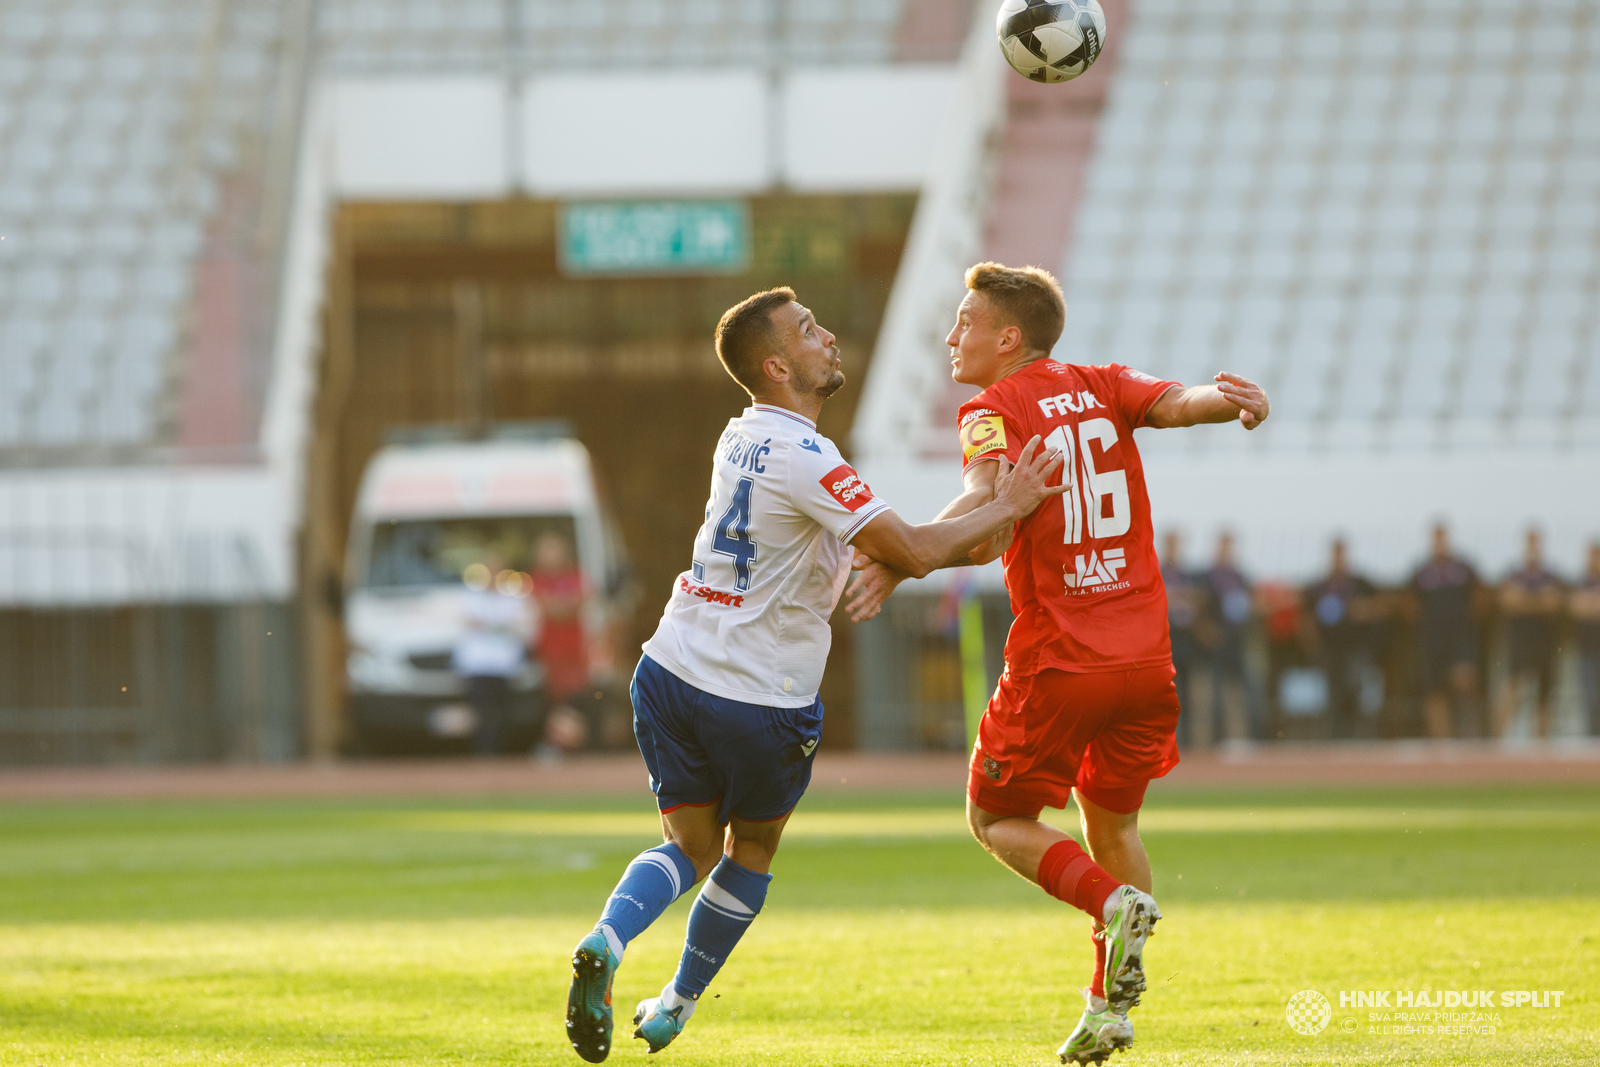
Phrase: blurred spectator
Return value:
(1531, 599)
(561, 593)
(1187, 618)
(1347, 610)
(1233, 608)
(490, 651)
(1444, 591)
(1584, 605)
(1284, 630)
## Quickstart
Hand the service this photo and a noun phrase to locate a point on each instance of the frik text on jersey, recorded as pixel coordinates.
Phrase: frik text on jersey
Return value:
(1077, 403)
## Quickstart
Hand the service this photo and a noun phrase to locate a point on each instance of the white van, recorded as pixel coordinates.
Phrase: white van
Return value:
(429, 509)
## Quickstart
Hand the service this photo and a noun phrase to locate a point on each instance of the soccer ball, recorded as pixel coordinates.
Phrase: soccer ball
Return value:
(1051, 40)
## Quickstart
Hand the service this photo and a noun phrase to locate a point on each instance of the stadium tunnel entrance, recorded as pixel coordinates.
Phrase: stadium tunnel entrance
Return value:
(626, 360)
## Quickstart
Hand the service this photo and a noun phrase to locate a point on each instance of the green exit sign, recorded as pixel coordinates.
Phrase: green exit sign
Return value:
(655, 237)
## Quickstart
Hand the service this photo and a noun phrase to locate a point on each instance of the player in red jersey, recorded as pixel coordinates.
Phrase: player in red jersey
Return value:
(1086, 703)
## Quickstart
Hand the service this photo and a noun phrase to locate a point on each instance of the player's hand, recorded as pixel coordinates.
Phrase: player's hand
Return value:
(1024, 486)
(872, 586)
(1247, 396)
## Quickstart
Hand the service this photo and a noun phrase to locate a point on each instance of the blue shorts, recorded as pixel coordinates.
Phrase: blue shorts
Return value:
(753, 761)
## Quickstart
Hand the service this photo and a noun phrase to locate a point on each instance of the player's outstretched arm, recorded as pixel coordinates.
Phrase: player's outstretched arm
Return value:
(876, 581)
(1232, 398)
(915, 551)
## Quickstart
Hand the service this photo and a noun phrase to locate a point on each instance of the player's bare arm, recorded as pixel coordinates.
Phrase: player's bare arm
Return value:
(1233, 397)
(875, 581)
(918, 550)
(981, 481)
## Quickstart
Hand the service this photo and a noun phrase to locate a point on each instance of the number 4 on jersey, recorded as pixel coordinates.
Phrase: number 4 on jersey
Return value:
(732, 536)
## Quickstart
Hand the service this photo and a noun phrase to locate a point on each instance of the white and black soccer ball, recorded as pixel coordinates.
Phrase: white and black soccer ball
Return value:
(1051, 40)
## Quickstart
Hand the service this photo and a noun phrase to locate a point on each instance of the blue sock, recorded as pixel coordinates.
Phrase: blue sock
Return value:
(652, 881)
(728, 902)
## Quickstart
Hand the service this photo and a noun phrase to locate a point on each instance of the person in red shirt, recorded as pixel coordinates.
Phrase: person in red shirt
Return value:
(1086, 704)
(561, 593)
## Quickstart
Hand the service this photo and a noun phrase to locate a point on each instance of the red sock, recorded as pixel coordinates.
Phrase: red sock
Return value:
(1067, 873)
(1097, 984)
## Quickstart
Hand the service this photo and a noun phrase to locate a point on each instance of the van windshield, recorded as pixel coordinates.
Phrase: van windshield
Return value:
(422, 552)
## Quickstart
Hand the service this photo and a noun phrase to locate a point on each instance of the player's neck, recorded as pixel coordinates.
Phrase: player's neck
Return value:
(1007, 368)
(807, 406)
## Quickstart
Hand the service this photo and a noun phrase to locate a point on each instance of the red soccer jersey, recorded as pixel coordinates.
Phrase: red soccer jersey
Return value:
(1082, 572)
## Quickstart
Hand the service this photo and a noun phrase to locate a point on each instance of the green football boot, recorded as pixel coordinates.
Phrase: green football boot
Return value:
(1133, 917)
(656, 1024)
(1097, 1036)
(589, 997)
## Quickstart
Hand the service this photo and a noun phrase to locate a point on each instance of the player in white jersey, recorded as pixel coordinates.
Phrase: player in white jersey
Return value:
(725, 696)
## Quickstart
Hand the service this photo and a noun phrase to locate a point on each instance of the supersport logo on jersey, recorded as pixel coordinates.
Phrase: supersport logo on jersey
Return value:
(710, 595)
(846, 486)
(982, 433)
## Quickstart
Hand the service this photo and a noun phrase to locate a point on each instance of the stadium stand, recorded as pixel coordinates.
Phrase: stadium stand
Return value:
(1388, 213)
(139, 140)
(423, 36)
(133, 140)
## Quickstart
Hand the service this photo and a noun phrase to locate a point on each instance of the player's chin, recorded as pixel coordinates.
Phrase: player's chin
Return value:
(834, 383)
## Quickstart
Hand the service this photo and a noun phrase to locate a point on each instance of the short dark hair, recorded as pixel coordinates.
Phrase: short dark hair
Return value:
(1028, 298)
(746, 335)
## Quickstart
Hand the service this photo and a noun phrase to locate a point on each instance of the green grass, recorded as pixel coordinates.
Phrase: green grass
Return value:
(438, 931)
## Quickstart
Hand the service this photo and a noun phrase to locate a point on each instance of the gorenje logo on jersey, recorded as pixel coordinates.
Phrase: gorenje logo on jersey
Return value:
(1099, 571)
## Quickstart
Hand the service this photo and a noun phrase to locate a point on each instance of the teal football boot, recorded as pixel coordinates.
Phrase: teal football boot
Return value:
(656, 1024)
(589, 997)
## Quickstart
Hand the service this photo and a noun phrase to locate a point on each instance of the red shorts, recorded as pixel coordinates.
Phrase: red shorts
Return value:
(1045, 734)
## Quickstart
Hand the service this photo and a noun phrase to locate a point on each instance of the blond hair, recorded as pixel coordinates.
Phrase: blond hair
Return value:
(1028, 298)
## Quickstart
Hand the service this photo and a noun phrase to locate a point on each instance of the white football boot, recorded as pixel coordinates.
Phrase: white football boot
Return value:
(1097, 1036)
(1133, 917)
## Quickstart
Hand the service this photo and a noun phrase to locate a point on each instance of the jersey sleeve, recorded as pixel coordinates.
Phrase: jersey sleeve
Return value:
(828, 490)
(988, 431)
(1134, 392)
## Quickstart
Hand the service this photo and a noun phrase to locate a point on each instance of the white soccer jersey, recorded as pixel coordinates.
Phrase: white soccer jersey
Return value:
(749, 619)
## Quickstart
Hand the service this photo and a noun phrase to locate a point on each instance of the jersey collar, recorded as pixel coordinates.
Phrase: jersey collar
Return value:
(785, 412)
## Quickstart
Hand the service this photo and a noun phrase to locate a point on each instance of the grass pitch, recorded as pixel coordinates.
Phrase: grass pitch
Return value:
(438, 932)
